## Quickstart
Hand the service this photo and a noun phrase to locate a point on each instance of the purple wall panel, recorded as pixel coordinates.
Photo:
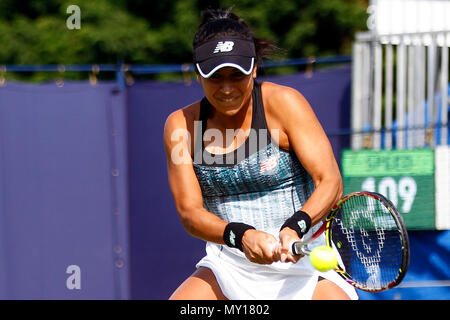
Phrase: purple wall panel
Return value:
(57, 193)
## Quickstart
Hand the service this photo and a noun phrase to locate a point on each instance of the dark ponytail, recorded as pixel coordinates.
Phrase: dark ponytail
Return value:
(218, 23)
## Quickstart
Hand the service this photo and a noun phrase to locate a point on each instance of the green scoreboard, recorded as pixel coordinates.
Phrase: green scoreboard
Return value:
(406, 177)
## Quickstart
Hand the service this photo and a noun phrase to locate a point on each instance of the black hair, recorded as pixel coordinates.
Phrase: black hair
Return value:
(218, 23)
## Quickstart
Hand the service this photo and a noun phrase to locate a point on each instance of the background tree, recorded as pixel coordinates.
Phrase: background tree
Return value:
(161, 32)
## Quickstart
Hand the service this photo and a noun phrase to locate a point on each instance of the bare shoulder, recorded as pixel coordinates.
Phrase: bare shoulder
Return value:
(182, 118)
(179, 131)
(281, 98)
(285, 108)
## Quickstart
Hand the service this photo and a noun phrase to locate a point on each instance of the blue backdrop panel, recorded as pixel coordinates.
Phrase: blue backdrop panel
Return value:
(162, 253)
(63, 191)
(429, 264)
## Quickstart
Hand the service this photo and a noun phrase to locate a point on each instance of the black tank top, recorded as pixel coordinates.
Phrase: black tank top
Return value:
(262, 188)
(258, 138)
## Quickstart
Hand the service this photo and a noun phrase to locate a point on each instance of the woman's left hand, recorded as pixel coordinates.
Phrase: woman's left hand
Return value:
(287, 237)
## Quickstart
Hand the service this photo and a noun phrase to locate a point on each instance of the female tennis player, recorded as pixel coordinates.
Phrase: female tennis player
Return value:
(251, 170)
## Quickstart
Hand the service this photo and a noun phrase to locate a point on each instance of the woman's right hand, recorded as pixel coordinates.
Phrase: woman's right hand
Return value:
(259, 247)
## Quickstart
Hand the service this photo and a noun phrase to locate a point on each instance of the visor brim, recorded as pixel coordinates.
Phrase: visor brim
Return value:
(208, 67)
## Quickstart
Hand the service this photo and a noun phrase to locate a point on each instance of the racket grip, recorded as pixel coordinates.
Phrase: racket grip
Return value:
(299, 247)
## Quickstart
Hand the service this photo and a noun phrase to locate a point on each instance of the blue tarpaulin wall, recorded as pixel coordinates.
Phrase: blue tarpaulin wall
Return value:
(63, 199)
(83, 182)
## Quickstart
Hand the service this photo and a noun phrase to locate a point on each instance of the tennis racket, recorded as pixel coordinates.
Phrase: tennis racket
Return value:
(369, 238)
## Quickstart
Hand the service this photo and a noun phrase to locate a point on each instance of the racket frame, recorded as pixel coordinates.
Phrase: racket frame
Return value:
(301, 247)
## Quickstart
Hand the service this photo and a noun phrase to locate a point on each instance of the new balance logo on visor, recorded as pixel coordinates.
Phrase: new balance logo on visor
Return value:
(224, 46)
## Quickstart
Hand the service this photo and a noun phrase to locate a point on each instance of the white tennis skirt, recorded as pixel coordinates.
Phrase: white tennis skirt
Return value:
(241, 279)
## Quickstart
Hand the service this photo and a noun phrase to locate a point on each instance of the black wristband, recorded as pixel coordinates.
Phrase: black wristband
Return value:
(300, 222)
(234, 231)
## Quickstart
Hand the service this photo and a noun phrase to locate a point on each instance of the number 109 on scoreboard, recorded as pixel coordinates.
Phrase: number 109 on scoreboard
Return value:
(405, 177)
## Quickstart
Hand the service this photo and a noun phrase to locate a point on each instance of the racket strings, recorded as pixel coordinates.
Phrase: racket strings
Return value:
(368, 241)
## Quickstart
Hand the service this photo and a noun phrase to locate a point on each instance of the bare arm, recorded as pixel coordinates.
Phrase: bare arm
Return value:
(307, 138)
(313, 149)
(184, 184)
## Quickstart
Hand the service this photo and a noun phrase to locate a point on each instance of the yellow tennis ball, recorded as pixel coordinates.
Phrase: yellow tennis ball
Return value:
(323, 258)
